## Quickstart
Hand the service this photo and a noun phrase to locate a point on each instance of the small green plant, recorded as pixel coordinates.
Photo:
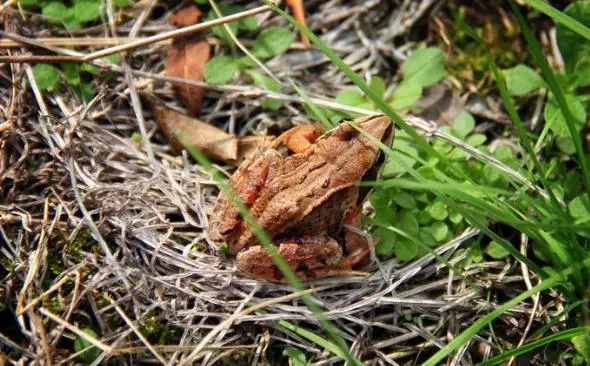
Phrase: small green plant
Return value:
(423, 68)
(248, 24)
(72, 14)
(270, 42)
(79, 76)
(91, 353)
(296, 357)
(421, 214)
(573, 80)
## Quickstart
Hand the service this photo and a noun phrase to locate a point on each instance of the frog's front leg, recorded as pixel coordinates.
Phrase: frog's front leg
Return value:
(299, 138)
(309, 256)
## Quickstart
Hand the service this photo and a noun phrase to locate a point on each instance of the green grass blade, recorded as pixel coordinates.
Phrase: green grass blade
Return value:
(312, 337)
(555, 89)
(466, 335)
(560, 336)
(472, 218)
(521, 130)
(314, 108)
(556, 319)
(560, 17)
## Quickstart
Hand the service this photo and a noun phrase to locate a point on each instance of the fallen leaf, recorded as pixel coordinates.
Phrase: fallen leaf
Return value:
(195, 133)
(187, 57)
(186, 16)
(209, 139)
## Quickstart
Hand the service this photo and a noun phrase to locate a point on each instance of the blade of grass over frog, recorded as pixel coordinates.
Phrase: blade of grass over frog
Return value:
(314, 108)
(447, 264)
(560, 17)
(466, 335)
(555, 88)
(266, 243)
(560, 336)
(472, 218)
(358, 81)
(521, 130)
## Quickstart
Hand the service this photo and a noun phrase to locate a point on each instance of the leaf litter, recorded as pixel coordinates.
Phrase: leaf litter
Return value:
(87, 219)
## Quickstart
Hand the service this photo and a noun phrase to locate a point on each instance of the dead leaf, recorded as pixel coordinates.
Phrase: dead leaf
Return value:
(187, 57)
(196, 133)
(209, 139)
(186, 16)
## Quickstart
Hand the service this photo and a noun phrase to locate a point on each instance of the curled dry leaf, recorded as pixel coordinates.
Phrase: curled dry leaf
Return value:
(187, 57)
(207, 138)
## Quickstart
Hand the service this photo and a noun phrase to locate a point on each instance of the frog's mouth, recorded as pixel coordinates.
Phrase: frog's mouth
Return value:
(374, 171)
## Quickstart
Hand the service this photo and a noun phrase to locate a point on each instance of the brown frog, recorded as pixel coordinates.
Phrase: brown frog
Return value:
(304, 202)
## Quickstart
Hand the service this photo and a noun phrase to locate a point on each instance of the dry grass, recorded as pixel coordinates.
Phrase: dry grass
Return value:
(98, 230)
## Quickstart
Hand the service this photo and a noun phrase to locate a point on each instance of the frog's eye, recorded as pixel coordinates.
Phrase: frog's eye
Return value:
(348, 133)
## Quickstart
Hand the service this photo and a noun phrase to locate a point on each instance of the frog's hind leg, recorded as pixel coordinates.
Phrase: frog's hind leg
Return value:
(357, 246)
(309, 256)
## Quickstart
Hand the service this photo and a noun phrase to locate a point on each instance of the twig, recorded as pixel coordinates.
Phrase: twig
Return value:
(39, 58)
(5, 126)
(136, 104)
(525, 273)
(174, 33)
(40, 298)
(226, 323)
(142, 42)
(74, 41)
(6, 5)
(77, 331)
(138, 333)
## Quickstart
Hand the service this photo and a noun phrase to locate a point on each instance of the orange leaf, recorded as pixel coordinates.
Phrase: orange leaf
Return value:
(187, 58)
(299, 12)
(186, 16)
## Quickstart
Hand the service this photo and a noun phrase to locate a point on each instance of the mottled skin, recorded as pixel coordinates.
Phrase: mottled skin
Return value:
(303, 202)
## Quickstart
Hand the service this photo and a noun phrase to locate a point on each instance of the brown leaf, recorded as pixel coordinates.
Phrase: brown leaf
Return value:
(195, 133)
(187, 58)
(186, 16)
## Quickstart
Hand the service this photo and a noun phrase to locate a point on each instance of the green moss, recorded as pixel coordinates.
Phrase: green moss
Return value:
(159, 332)
(468, 61)
(82, 242)
(53, 303)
